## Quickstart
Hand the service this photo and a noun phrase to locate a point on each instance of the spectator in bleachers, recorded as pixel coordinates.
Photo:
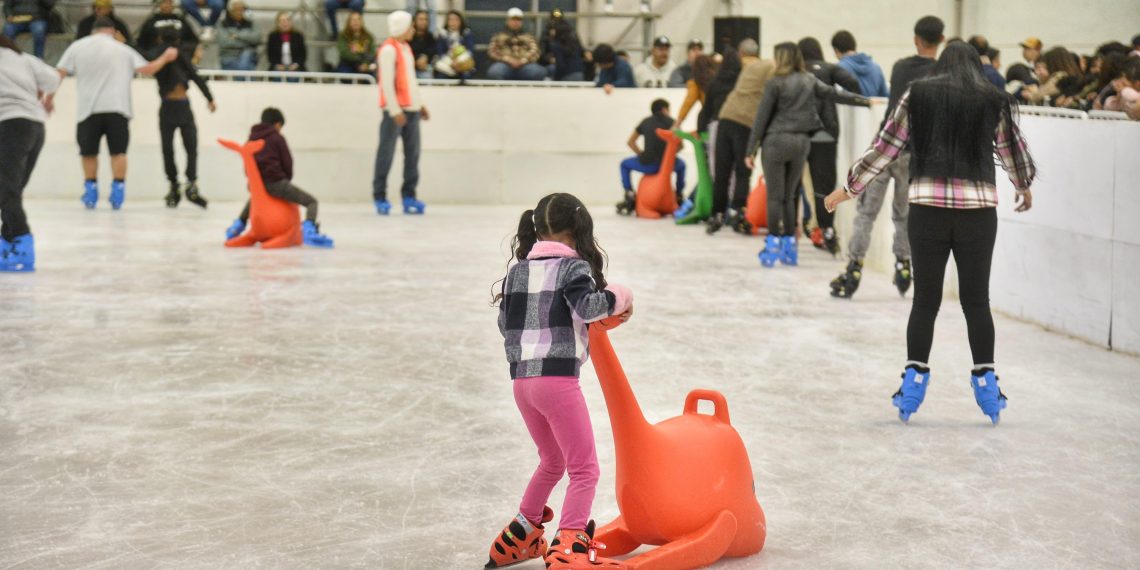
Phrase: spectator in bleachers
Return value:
(356, 47)
(29, 16)
(1060, 79)
(982, 46)
(701, 76)
(563, 55)
(1112, 67)
(1127, 87)
(424, 44)
(286, 46)
(514, 52)
(456, 48)
(333, 6)
(614, 71)
(995, 58)
(749, 52)
(1135, 46)
(193, 8)
(413, 6)
(870, 75)
(237, 39)
(104, 9)
(655, 71)
(1019, 81)
(166, 17)
(684, 72)
(1031, 50)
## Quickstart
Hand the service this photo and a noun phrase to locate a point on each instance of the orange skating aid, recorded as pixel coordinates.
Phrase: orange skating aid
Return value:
(576, 549)
(655, 194)
(273, 222)
(684, 484)
(520, 541)
(756, 210)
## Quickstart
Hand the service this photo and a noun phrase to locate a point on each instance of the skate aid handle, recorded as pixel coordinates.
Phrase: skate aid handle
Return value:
(720, 405)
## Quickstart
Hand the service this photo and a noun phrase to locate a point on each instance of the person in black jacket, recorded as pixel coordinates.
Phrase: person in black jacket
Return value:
(562, 52)
(175, 114)
(285, 47)
(101, 9)
(824, 145)
(28, 16)
(166, 17)
(787, 117)
(722, 84)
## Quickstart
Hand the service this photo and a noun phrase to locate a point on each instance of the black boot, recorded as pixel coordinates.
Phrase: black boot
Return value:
(831, 241)
(193, 196)
(902, 275)
(173, 197)
(714, 224)
(627, 206)
(845, 285)
(738, 222)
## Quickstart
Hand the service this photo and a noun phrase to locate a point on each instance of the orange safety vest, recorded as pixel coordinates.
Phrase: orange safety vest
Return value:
(403, 94)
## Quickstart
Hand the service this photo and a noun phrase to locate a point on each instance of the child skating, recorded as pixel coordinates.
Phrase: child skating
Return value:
(548, 298)
(275, 163)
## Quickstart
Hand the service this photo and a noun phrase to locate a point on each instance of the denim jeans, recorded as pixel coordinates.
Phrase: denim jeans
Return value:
(633, 164)
(247, 61)
(500, 71)
(410, 134)
(332, 6)
(217, 8)
(38, 29)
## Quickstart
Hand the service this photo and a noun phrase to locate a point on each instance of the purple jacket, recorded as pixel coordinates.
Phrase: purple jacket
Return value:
(274, 161)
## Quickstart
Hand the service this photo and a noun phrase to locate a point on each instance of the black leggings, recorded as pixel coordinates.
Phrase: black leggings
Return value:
(20, 143)
(934, 234)
(175, 114)
(731, 148)
(821, 164)
(285, 190)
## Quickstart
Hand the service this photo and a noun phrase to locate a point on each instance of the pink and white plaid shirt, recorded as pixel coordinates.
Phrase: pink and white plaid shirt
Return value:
(957, 193)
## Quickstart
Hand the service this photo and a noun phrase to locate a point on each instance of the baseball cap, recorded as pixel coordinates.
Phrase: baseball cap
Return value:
(514, 13)
(662, 41)
(1031, 43)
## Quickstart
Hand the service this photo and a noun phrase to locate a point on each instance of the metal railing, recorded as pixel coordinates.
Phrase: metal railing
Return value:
(1108, 116)
(495, 83)
(288, 76)
(1071, 113)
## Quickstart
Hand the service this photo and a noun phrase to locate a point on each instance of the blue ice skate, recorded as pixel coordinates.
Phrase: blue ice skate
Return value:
(383, 207)
(771, 252)
(235, 229)
(313, 237)
(19, 255)
(686, 207)
(118, 194)
(413, 206)
(789, 253)
(90, 194)
(987, 393)
(912, 392)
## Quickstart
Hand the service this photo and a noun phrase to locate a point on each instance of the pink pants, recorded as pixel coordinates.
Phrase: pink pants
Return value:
(556, 416)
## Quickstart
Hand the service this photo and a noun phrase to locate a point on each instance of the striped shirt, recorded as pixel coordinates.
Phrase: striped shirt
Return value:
(957, 193)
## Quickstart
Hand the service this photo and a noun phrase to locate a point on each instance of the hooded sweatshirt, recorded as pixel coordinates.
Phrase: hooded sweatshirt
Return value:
(148, 34)
(274, 161)
(870, 76)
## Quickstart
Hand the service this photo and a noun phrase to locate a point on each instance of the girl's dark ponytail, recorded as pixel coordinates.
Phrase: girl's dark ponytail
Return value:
(526, 237)
(586, 245)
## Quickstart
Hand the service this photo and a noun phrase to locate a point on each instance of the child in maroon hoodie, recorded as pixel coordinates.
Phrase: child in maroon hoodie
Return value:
(276, 166)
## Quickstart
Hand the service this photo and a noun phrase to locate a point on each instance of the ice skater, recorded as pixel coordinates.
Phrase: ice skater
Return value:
(175, 114)
(787, 117)
(24, 79)
(955, 121)
(648, 161)
(403, 109)
(275, 164)
(104, 68)
(546, 344)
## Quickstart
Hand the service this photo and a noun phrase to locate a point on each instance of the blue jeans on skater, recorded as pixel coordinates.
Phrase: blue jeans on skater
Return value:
(331, 6)
(500, 71)
(410, 134)
(217, 8)
(632, 164)
(38, 29)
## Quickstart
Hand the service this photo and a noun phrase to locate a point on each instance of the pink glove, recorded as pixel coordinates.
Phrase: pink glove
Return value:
(623, 297)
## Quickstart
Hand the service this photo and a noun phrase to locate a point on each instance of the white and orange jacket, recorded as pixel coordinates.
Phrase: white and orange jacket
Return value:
(396, 74)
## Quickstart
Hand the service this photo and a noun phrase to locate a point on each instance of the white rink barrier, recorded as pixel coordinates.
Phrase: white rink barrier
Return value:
(1068, 264)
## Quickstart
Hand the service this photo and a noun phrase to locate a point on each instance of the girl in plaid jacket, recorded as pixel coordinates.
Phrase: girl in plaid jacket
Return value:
(548, 297)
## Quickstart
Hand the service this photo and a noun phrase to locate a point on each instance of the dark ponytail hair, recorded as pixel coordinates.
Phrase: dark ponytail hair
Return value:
(558, 214)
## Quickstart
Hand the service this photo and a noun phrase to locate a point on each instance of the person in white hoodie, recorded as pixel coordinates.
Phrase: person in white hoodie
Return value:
(403, 110)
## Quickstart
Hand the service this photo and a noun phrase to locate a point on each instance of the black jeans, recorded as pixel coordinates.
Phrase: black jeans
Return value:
(821, 165)
(175, 114)
(935, 233)
(20, 143)
(285, 190)
(731, 148)
(782, 155)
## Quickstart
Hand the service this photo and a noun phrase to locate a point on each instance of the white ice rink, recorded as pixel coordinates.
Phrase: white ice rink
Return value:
(168, 403)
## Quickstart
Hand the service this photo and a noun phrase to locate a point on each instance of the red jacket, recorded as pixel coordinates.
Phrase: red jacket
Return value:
(274, 161)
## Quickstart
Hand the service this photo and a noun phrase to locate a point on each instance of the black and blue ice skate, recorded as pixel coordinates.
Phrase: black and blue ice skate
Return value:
(771, 252)
(902, 275)
(912, 392)
(235, 229)
(383, 207)
(845, 285)
(19, 255)
(118, 194)
(90, 194)
(684, 210)
(628, 205)
(987, 393)
(414, 207)
(174, 196)
(313, 236)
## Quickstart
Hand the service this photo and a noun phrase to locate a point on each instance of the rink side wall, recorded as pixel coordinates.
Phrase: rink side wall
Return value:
(1069, 264)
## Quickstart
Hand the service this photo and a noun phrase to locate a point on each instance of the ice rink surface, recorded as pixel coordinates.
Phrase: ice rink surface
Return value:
(168, 403)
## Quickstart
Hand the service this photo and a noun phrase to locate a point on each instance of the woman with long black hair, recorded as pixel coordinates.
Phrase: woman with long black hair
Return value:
(24, 80)
(955, 121)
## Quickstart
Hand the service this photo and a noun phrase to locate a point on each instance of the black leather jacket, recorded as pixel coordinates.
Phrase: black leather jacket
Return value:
(790, 105)
(832, 74)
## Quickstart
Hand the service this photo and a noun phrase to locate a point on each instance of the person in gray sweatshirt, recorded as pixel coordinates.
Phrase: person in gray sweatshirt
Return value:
(238, 39)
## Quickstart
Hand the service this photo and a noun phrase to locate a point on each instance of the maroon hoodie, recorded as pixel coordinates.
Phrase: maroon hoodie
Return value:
(274, 161)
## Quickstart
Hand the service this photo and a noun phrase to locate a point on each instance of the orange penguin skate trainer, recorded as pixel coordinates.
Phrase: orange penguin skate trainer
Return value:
(576, 549)
(520, 541)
